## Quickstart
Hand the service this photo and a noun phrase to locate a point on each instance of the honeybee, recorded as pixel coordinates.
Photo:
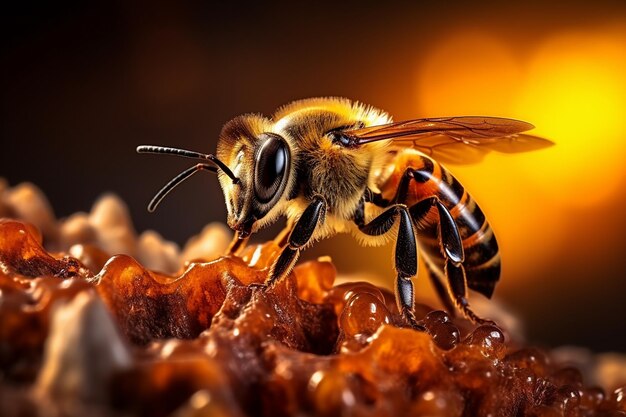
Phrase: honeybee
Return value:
(331, 166)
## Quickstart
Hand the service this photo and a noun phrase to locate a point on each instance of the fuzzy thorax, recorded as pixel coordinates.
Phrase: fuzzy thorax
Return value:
(318, 165)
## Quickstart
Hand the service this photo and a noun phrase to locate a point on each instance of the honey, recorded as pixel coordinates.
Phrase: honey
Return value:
(210, 340)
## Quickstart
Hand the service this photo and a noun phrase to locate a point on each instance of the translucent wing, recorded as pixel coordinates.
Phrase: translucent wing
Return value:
(458, 140)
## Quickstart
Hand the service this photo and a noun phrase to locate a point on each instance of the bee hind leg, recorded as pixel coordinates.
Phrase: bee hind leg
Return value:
(457, 286)
(441, 289)
(452, 250)
(298, 238)
(405, 255)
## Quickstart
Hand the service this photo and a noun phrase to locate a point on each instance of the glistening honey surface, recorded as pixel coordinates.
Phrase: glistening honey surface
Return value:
(210, 341)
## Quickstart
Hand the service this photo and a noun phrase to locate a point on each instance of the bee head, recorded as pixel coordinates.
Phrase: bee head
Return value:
(262, 161)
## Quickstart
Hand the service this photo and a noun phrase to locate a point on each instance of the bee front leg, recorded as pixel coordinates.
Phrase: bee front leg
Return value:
(299, 237)
(405, 254)
(237, 244)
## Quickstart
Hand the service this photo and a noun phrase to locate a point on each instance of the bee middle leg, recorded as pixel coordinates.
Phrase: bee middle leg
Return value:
(298, 238)
(405, 255)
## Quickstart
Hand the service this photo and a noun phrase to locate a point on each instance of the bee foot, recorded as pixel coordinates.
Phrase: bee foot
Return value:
(411, 321)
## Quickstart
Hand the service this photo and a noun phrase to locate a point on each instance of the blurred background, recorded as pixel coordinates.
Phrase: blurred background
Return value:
(83, 84)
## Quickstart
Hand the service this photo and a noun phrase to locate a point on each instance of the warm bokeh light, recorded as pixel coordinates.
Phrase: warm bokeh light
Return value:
(576, 93)
(469, 73)
(572, 87)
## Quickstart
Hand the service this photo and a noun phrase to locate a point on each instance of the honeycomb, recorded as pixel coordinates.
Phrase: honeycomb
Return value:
(86, 333)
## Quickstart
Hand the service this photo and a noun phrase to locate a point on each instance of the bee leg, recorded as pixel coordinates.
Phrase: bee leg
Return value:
(411, 174)
(375, 198)
(405, 254)
(299, 237)
(419, 211)
(449, 240)
(237, 244)
(452, 249)
(441, 290)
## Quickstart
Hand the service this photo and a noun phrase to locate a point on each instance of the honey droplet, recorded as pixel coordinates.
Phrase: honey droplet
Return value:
(489, 339)
(340, 294)
(529, 358)
(332, 393)
(363, 315)
(618, 398)
(445, 334)
(438, 403)
(592, 397)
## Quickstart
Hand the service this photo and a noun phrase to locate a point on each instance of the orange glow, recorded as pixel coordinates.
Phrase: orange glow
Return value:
(469, 73)
(579, 81)
(572, 87)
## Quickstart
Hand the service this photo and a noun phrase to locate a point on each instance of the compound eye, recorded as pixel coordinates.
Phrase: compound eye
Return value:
(270, 170)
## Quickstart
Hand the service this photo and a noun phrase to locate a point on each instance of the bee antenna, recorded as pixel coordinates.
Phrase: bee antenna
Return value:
(189, 154)
(174, 182)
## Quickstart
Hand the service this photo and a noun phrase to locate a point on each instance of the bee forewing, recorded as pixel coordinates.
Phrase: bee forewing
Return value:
(457, 140)
(466, 127)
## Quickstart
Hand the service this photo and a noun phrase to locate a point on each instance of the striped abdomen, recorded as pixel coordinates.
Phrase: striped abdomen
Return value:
(482, 258)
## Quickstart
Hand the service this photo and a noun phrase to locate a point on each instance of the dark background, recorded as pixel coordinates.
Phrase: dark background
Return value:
(83, 84)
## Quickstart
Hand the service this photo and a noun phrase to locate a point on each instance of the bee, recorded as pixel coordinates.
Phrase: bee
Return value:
(330, 165)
